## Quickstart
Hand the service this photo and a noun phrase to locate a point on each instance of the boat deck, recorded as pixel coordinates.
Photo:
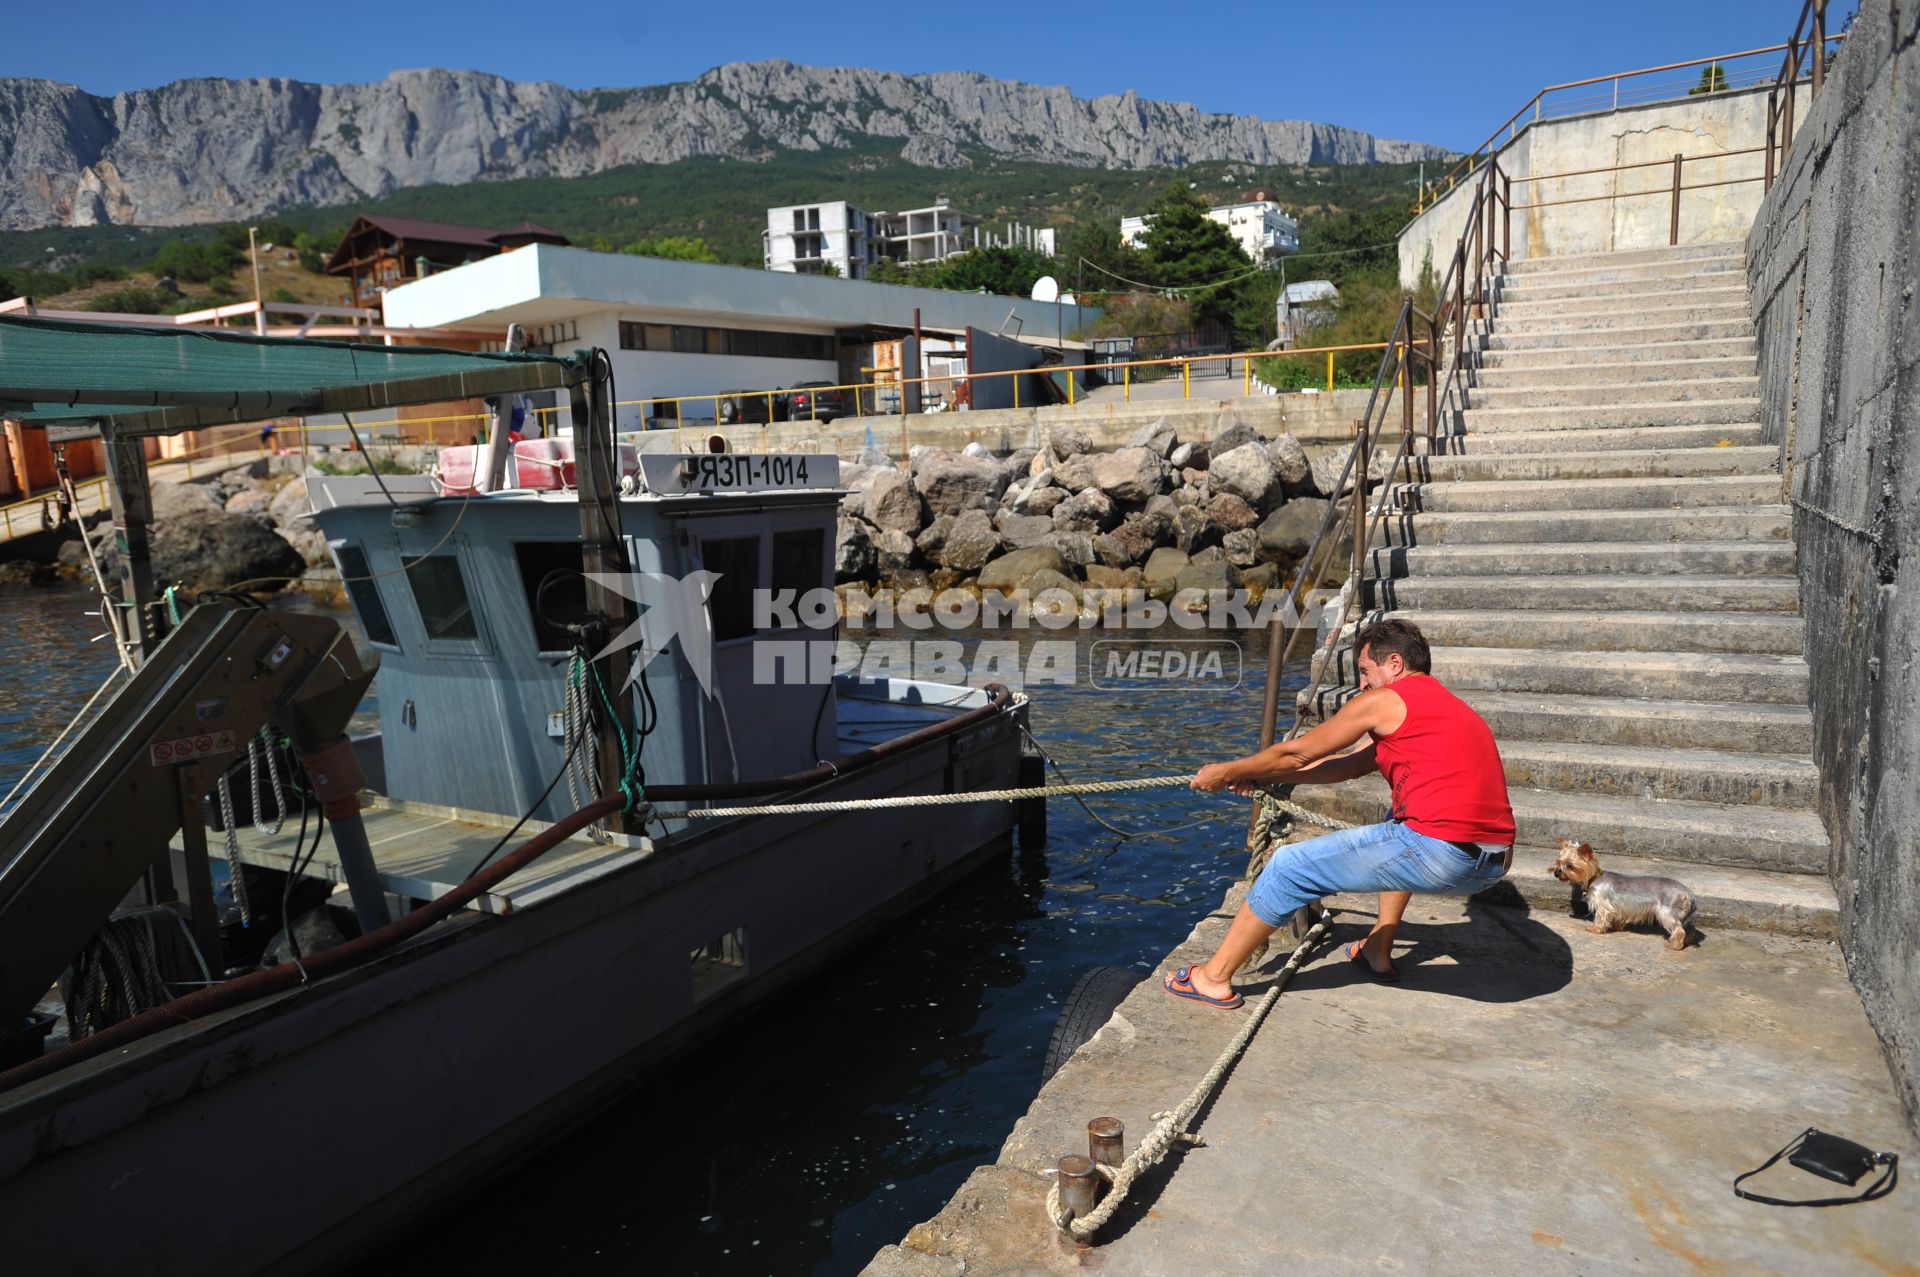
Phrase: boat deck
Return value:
(423, 851)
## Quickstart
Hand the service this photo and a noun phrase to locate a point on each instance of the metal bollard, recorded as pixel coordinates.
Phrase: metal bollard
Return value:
(1106, 1141)
(1078, 1184)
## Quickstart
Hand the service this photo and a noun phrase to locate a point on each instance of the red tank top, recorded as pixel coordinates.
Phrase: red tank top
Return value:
(1445, 771)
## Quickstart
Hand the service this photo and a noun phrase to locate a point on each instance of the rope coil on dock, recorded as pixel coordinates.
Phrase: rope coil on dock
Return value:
(1171, 1127)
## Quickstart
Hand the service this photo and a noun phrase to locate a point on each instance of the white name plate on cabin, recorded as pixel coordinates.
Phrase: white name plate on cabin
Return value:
(676, 474)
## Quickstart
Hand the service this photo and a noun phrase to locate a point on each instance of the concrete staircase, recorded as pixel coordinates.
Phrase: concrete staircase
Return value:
(1602, 559)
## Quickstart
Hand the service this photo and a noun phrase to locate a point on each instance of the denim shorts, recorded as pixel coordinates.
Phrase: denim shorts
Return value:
(1385, 857)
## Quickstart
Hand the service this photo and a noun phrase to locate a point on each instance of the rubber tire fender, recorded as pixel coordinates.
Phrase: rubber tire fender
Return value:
(1095, 997)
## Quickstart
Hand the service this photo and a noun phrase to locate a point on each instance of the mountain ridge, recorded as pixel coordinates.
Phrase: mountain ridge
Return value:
(212, 150)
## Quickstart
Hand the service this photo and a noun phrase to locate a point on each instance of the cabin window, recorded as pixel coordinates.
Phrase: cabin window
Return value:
(799, 560)
(440, 593)
(357, 576)
(565, 599)
(737, 560)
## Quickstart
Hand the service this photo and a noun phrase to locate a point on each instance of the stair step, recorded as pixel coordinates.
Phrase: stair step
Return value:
(1719, 676)
(1645, 493)
(1736, 369)
(1625, 273)
(1685, 834)
(1588, 416)
(1795, 904)
(1654, 306)
(1677, 353)
(1595, 393)
(1568, 286)
(1674, 254)
(1528, 527)
(1686, 775)
(1737, 439)
(1770, 633)
(1648, 558)
(1649, 724)
(1589, 593)
(1563, 335)
(1648, 463)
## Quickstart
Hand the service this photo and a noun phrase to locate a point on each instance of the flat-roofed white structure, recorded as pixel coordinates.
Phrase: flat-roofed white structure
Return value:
(806, 239)
(1257, 222)
(678, 328)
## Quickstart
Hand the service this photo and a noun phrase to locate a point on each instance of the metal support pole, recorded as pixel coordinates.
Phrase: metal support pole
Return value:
(1767, 183)
(1506, 217)
(1329, 372)
(1433, 376)
(1673, 232)
(1819, 45)
(191, 872)
(604, 553)
(132, 513)
(1361, 463)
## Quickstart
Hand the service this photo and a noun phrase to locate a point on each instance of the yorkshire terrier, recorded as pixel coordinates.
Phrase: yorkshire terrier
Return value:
(1619, 900)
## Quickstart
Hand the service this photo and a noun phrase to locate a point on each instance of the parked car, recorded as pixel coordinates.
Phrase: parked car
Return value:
(748, 406)
(815, 400)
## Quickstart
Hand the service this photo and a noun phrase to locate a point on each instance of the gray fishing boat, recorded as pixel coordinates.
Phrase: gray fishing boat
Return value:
(504, 921)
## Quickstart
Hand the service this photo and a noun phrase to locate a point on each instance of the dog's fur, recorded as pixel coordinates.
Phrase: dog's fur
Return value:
(1620, 900)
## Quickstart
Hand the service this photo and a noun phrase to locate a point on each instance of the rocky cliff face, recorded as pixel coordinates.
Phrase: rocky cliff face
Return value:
(218, 150)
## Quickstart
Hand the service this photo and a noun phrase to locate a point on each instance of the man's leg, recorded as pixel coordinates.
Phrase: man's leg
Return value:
(1295, 877)
(1379, 942)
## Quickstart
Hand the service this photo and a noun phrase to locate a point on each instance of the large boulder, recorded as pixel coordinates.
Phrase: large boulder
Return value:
(1242, 547)
(1327, 466)
(1287, 532)
(254, 501)
(1075, 474)
(1012, 571)
(1236, 434)
(1075, 547)
(1246, 472)
(1021, 530)
(1230, 512)
(1131, 474)
(970, 542)
(852, 550)
(875, 458)
(216, 550)
(1066, 441)
(1162, 572)
(1207, 575)
(1290, 463)
(1044, 500)
(1193, 530)
(1261, 577)
(891, 502)
(1090, 511)
(1181, 457)
(977, 449)
(1018, 463)
(950, 482)
(1102, 577)
(182, 501)
(1139, 533)
(1111, 550)
(892, 551)
(1156, 437)
(933, 536)
(289, 507)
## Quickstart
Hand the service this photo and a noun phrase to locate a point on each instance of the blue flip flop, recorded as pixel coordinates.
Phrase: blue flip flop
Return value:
(1180, 985)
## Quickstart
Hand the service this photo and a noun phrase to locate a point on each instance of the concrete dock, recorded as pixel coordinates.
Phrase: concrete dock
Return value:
(1530, 1098)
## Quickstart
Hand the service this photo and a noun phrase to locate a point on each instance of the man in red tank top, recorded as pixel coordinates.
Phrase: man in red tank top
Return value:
(1451, 829)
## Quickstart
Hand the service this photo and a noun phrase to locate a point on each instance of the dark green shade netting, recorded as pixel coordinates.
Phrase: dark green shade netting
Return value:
(156, 381)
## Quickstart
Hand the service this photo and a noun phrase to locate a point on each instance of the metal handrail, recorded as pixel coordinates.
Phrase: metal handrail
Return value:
(1535, 105)
(1780, 97)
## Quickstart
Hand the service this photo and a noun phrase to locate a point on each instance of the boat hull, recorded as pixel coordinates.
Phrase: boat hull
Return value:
(409, 1080)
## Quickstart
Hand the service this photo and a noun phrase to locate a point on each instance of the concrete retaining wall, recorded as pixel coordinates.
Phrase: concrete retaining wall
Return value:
(1704, 126)
(1311, 418)
(1832, 265)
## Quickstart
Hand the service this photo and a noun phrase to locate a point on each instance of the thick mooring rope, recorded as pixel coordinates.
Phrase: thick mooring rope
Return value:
(1171, 1127)
(984, 796)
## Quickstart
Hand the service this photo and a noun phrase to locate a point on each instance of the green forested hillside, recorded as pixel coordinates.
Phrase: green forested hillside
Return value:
(723, 201)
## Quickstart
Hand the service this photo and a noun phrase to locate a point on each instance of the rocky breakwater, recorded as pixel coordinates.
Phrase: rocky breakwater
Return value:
(1160, 514)
(244, 529)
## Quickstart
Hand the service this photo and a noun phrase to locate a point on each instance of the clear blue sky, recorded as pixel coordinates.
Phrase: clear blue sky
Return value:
(1427, 71)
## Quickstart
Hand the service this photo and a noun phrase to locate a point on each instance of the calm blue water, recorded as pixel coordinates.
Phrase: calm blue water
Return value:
(805, 1141)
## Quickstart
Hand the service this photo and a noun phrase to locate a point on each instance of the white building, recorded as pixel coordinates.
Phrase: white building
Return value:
(676, 328)
(1257, 222)
(1307, 304)
(805, 239)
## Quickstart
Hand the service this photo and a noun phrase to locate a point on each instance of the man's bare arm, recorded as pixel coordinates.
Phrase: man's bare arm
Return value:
(1287, 762)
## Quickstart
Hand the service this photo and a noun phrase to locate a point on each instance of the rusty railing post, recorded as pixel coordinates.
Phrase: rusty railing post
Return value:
(1673, 231)
(1433, 374)
(1766, 183)
(1361, 462)
(1786, 110)
(1506, 217)
(1819, 45)
(1406, 374)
